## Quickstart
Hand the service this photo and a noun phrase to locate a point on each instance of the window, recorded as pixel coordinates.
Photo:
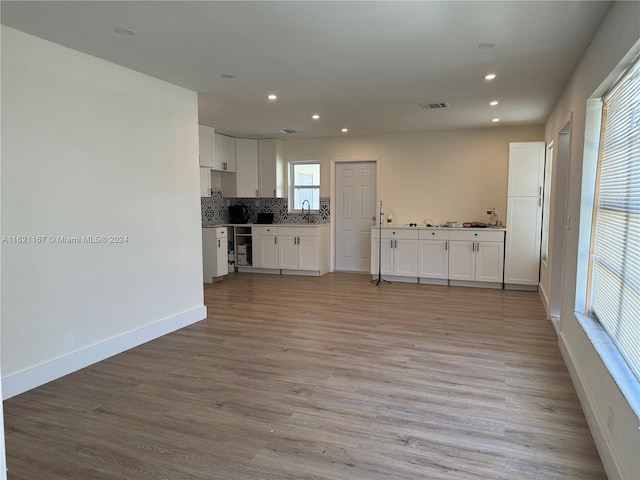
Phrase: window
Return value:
(615, 259)
(546, 203)
(304, 184)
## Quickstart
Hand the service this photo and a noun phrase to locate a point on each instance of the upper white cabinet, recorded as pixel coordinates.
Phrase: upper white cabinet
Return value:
(270, 168)
(524, 215)
(205, 182)
(245, 181)
(526, 169)
(205, 142)
(224, 153)
(247, 167)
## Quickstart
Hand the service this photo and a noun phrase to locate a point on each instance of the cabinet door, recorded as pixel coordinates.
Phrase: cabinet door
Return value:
(205, 182)
(489, 261)
(526, 168)
(405, 262)
(208, 254)
(524, 219)
(288, 252)
(246, 168)
(462, 262)
(384, 253)
(270, 168)
(308, 253)
(205, 142)
(218, 151)
(268, 252)
(433, 259)
(222, 267)
(229, 148)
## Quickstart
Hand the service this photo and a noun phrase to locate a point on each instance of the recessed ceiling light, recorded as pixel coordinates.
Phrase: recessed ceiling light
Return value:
(345, 130)
(125, 31)
(226, 76)
(493, 103)
(490, 76)
(315, 117)
(495, 120)
(486, 45)
(272, 96)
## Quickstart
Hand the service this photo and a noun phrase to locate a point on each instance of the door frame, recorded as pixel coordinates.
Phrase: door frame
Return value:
(333, 196)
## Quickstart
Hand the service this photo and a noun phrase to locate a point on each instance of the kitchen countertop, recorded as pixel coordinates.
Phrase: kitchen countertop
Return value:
(422, 227)
(305, 225)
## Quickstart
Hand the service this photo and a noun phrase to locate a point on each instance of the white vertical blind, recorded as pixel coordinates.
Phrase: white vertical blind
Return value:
(615, 287)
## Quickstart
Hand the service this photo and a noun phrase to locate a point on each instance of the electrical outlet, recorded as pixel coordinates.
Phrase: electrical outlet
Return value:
(610, 419)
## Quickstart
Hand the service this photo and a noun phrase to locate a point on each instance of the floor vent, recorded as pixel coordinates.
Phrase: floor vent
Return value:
(434, 106)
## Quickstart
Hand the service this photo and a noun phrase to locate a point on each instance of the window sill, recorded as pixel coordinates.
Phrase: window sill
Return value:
(613, 361)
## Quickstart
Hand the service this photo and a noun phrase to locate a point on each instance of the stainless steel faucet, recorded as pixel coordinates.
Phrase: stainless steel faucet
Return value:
(308, 210)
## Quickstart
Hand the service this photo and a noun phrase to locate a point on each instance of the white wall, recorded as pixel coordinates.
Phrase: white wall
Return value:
(618, 34)
(450, 174)
(92, 148)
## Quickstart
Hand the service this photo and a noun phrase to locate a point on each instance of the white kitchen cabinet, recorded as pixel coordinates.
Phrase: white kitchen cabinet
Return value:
(205, 142)
(224, 153)
(524, 215)
(244, 181)
(398, 254)
(299, 249)
(270, 168)
(477, 256)
(205, 182)
(433, 255)
(267, 255)
(214, 253)
(246, 167)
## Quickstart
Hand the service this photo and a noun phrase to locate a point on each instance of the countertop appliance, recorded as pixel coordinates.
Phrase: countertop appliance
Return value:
(238, 214)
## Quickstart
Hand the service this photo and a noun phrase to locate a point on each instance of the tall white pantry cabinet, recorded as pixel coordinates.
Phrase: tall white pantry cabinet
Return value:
(524, 215)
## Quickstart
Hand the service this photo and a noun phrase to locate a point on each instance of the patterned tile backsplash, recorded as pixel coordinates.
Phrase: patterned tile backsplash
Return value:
(215, 209)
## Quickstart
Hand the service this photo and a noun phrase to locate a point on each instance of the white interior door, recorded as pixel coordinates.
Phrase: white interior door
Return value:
(355, 207)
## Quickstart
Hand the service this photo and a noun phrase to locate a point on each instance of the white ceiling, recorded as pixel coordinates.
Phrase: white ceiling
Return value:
(361, 65)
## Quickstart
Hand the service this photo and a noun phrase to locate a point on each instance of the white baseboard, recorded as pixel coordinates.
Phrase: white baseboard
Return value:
(33, 377)
(607, 455)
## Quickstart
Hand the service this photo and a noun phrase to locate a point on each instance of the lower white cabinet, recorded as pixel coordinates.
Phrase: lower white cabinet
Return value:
(439, 255)
(396, 252)
(267, 255)
(476, 256)
(298, 248)
(292, 249)
(214, 253)
(433, 254)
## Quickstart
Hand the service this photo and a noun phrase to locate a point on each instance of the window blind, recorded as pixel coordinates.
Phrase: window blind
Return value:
(615, 285)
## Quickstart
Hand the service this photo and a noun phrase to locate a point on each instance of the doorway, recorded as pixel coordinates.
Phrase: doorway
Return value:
(355, 196)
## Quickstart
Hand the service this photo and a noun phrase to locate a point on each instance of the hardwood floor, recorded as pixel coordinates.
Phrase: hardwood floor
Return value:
(319, 378)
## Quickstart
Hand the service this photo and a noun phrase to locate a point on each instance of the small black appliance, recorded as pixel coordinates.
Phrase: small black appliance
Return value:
(238, 214)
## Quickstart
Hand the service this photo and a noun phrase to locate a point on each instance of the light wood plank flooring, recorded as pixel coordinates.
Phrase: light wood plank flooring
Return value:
(319, 378)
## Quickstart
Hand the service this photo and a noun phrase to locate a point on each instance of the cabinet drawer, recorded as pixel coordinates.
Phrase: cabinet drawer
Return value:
(398, 233)
(477, 236)
(433, 234)
(298, 231)
(265, 230)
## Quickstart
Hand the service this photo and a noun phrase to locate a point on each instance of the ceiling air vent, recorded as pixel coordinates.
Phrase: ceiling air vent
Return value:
(288, 130)
(433, 106)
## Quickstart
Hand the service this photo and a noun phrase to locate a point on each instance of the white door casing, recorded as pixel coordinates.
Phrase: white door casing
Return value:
(354, 210)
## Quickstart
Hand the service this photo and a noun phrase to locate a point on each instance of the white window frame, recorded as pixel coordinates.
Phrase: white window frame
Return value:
(608, 324)
(293, 186)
